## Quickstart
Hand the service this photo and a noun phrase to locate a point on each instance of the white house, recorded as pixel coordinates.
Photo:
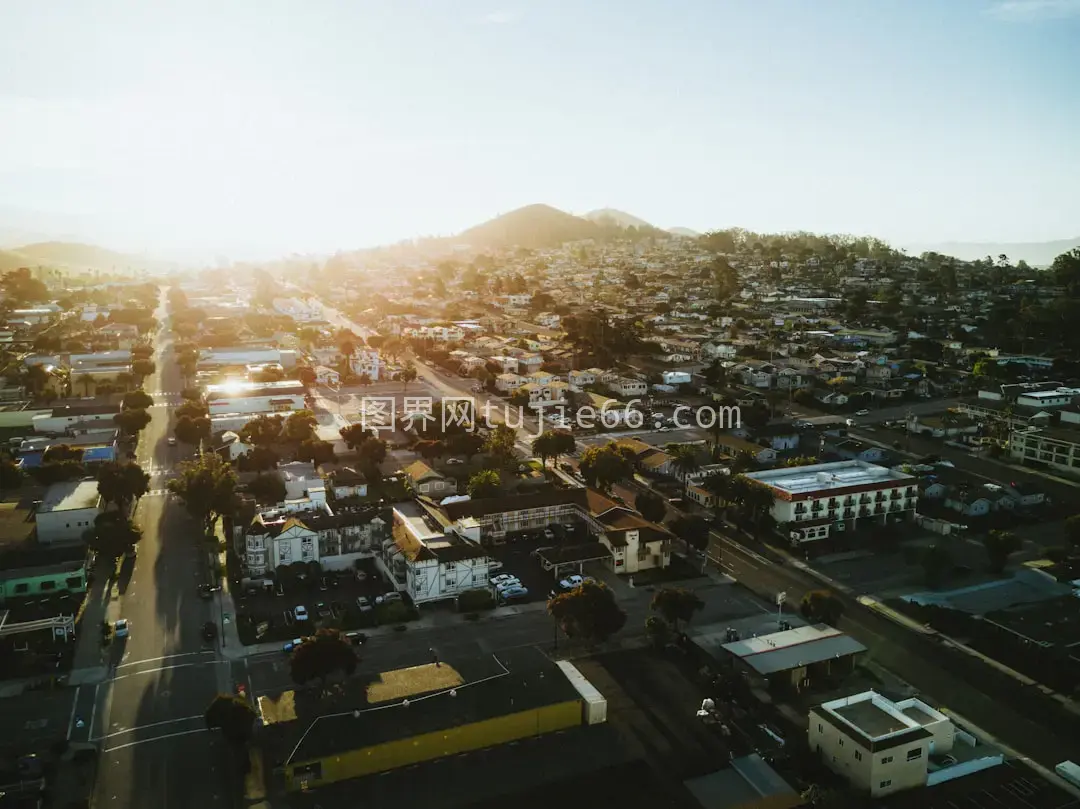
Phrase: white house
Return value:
(624, 386)
(327, 376)
(432, 562)
(366, 361)
(507, 383)
(67, 511)
(579, 379)
(676, 377)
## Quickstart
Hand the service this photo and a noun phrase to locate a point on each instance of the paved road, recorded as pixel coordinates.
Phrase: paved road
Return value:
(935, 671)
(147, 715)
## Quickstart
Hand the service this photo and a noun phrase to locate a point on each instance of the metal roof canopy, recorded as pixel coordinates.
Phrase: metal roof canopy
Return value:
(569, 555)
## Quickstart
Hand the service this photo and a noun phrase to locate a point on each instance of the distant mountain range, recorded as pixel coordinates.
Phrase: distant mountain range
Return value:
(74, 256)
(1037, 254)
(611, 216)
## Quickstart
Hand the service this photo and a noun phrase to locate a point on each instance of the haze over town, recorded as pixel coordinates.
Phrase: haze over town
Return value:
(257, 130)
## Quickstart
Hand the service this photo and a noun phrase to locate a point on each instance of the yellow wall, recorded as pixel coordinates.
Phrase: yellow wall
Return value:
(428, 746)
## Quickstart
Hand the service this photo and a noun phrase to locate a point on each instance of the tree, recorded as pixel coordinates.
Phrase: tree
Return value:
(500, 444)
(821, 607)
(485, 483)
(684, 459)
(132, 421)
(233, 716)
(120, 483)
(607, 465)
(143, 368)
(207, 487)
(1066, 271)
(192, 431)
(355, 435)
(306, 375)
(658, 631)
(320, 656)
(137, 400)
(192, 409)
(258, 459)
(112, 535)
(267, 488)
(587, 613)
(300, 426)
(1000, 545)
(543, 446)
(467, 444)
(10, 475)
(316, 451)
(262, 431)
(936, 561)
(61, 452)
(691, 529)
(651, 506)
(407, 375)
(676, 604)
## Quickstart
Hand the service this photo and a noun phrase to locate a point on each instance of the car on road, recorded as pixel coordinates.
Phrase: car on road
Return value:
(292, 644)
(454, 461)
(504, 579)
(363, 604)
(356, 638)
(862, 412)
(388, 598)
(513, 593)
(171, 441)
(549, 534)
(300, 613)
(209, 630)
(849, 422)
(121, 628)
(207, 590)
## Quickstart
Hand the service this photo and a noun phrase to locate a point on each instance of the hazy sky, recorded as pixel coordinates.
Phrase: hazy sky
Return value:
(272, 126)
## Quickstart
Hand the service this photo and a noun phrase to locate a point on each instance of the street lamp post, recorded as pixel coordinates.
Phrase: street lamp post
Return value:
(780, 599)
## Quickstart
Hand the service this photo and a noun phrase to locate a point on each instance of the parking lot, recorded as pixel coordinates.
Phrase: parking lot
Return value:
(328, 600)
(518, 559)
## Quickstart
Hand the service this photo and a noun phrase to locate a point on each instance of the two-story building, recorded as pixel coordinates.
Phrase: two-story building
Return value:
(427, 482)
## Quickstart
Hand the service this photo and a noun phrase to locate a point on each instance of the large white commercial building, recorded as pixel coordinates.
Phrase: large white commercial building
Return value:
(810, 501)
(255, 397)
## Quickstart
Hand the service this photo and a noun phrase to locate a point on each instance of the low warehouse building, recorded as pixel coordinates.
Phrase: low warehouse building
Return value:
(422, 713)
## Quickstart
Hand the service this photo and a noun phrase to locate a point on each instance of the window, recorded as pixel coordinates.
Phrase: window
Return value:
(819, 730)
(841, 741)
(22, 587)
(47, 585)
(74, 582)
(858, 756)
(884, 784)
(914, 753)
(886, 760)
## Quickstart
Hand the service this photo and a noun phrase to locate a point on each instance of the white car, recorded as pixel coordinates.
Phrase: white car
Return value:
(363, 604)
(388, 598)
(300, 613)
(504, 579)
(120, 628)
(454, 461)
(570, 582)
(494, 564)
(862, 412)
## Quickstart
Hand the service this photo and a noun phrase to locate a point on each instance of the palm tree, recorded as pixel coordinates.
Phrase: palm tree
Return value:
(684, 459)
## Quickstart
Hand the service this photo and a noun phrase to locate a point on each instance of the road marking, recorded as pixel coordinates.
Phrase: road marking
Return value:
(159, 659)
(164, 668)
(74, 705)
(93, 711)
(143, 727)
(155, 739)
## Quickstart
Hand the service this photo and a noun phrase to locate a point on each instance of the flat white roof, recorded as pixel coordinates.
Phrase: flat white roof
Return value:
(876, 717)
(417, 522)
(827, 476)
(70, 496)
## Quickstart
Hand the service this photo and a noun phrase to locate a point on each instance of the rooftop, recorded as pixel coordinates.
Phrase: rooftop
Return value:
(69, 496)
(1007, 786)
(878, 719)
(837, 476)
(788, 649)
(516, 680)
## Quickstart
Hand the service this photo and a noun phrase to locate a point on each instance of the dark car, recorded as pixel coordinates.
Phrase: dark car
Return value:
(356, 638)
(322, 610)
(209, 630)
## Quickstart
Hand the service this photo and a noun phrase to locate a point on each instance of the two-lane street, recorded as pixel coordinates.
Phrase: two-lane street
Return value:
(147, 714)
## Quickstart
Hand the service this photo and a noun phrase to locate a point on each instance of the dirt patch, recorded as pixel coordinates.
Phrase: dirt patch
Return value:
(402, 683)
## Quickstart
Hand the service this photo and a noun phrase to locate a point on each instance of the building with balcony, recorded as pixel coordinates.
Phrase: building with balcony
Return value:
(1058, 450)
(811, 501)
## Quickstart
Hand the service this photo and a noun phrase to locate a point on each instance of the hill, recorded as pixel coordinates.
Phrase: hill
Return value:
(534, 226)
(692, 234)
(609, 216)
(73, 256)
(1037, 254)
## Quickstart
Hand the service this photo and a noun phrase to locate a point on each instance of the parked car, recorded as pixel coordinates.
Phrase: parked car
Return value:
(549, 535)
(388, 598)
(849, 422)
(121, 628)
(454, 461)
(570, 582)
(292, 644)
(504, 578)
(363, 604)
(494, 564)
(209, 630)
(300, 613)
(356, 638)
(322, 610)
(506, 585)
(514, 593)
(171, 441)
(862, 412)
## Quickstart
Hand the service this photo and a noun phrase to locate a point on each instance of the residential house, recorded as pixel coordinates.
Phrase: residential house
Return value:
(327, 376)
(732, 445)
(508, 383)
(346, 482)
(426, 481)
(625, 386)
(852, 449)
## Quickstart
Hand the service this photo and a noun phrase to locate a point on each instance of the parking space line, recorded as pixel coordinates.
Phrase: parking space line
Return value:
(93, 711)
(144, 727)
(74, 705)
(159, 659)
(155, 739)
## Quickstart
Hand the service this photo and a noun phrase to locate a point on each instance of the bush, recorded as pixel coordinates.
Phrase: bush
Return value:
(475, 600)
(393, 613)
